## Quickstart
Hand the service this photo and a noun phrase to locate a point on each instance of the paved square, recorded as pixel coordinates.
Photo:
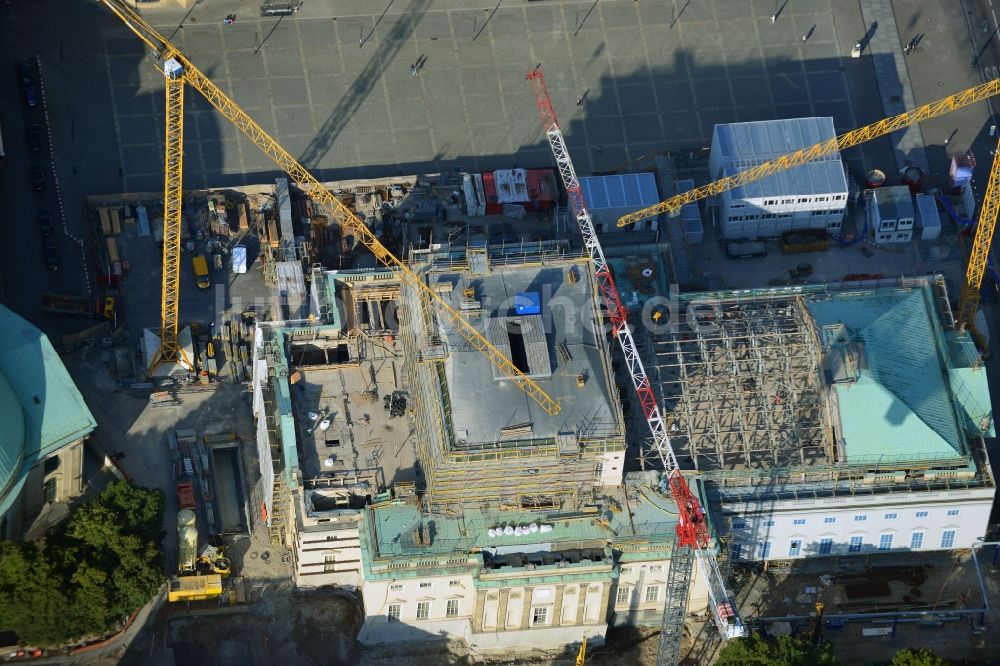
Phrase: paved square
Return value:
(649, 77)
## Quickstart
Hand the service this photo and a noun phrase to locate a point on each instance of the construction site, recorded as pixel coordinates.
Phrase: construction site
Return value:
(447, 412)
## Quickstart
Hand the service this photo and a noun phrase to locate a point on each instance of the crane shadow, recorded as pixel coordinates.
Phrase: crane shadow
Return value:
(363, 85)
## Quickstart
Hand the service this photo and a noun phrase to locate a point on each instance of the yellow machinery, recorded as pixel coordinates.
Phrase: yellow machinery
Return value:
(194, 588)
(978, 259)
(185, 71)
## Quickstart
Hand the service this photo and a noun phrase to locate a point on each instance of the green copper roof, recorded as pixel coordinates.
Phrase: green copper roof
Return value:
(38, 386)
(900, 404)
(11, 434)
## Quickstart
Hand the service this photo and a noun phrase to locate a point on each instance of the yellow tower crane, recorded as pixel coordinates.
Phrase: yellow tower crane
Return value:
(164, 52)
(978, 259)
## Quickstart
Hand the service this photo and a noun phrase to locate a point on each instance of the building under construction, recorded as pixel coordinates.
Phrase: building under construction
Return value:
(539, 309)
(831, 419)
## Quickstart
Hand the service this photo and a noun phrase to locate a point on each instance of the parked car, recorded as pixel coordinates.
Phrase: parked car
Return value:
(45, 222)
(51, 254)
(34, 137)
(25, 72)
(37, 177)
(30, 96)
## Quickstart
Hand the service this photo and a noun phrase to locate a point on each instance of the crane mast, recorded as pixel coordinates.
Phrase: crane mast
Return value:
(692, 527)
(164, 51)
(968, 303)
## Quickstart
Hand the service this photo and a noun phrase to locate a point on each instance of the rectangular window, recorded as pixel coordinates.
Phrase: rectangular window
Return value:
(737, 551)
(424, 586)
(768, 523)
(885, 542)
(656, 567)
(329, 563)
(799, 521)
(396, 587)
(423, 610)
(764, 549)
(454, 583)
(830, 519)
(539, 615)
(890, 516)
(393, 613)
(921, 514)
(825, 546)
(861, 517)
(952, 512)
(855, 546)
(739, 524)
(916, 540)
(652, 593)
(452, 610)
(624, 596)
(948, 539)
(794, 547)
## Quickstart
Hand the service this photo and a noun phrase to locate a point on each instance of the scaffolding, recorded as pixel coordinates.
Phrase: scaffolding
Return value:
(743, 386)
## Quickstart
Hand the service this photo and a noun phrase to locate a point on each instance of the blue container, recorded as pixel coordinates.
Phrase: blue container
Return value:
(527, 303)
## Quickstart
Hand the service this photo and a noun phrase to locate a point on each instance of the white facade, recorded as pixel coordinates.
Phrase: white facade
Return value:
(811, 196)
(417, 608)
(486, 612)
(891, 522)
(640, 592)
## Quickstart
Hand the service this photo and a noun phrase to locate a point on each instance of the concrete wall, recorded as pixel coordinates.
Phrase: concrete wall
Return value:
(810, 522)
(68, 479)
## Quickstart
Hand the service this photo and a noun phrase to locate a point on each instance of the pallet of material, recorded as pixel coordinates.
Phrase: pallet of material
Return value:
(105, 221)
(273, 237)
(112, 244)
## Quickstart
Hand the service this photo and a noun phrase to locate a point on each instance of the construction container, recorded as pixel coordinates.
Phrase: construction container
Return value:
(960, 170)
(928, 217)
(694, 230)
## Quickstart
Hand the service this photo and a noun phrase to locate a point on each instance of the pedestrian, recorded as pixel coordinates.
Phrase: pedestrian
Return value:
(579, 101)
(598, 149)
(774, 17)
(413, 69)
(804, 38)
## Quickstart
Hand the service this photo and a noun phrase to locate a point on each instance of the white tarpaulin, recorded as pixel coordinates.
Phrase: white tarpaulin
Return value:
(239, 259)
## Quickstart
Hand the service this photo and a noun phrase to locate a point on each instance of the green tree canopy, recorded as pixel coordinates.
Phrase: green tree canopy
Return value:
(756, 650)
(98, 567)
(917, 657)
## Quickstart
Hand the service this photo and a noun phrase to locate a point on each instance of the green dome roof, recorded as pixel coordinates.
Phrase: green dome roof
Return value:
(11, 434)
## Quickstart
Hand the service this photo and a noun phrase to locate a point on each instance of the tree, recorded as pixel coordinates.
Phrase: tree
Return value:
(917, 657)
(98, 567)
(755, 650)
(33, 603)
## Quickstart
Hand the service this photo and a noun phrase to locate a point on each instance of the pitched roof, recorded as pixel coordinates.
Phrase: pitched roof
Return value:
(900, 404)
(53, 411)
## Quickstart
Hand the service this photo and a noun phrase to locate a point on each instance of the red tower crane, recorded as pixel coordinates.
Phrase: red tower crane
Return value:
(692, 541)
